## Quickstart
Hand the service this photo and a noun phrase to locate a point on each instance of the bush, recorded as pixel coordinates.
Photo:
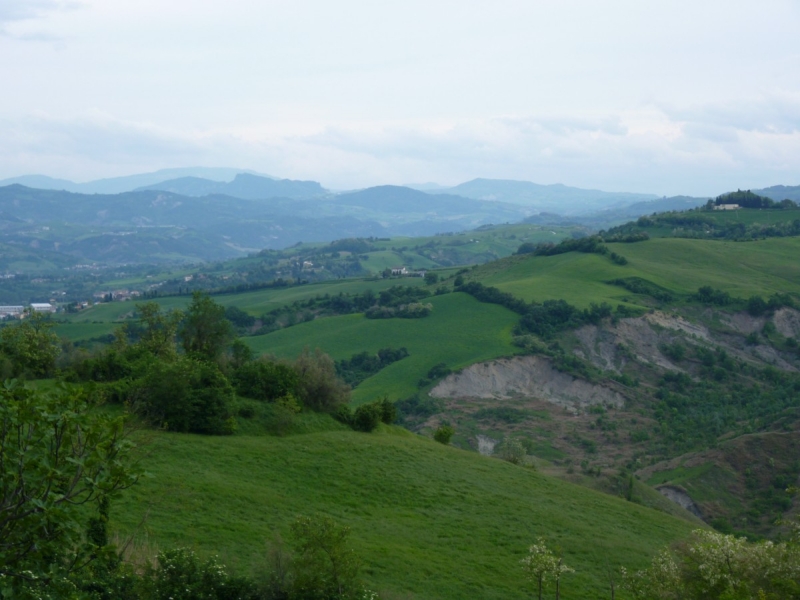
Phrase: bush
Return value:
(388, 411)
(265, 380)
(443, 434)
(185, 395)
(510, 450)
(319, 388)
(367, 417)
(343, 414)
(180, 575)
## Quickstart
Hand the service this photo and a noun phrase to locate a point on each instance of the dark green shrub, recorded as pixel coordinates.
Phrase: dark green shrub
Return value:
(756, 306)
(443, 434)
(264, 380)
(367, 417)
(186, 395)
(343, 414)
(388, 411)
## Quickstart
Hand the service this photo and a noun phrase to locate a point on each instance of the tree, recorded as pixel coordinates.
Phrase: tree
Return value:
(185, 395)
(58, 455)
(160, 328)
(325, 565)
(319, 388)
(266, 380)
(205, 332)
(30, 345)
(431, 278)
(510, 450)
(541, 564)
(713, 565)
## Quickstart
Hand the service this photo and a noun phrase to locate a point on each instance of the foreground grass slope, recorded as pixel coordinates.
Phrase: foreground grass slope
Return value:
(460, 331)
(427, 519)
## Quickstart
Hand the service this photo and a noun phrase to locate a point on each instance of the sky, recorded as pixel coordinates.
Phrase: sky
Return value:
(665, 97)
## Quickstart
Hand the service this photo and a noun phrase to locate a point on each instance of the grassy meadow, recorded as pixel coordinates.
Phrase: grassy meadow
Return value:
(681, 265)
(460, 331)
(430, 520)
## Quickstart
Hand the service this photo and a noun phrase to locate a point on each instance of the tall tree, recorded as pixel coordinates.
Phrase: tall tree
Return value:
(206, 333)
(30, 345)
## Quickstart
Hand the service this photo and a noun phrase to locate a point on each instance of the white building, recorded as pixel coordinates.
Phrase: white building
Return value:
(726, 207)
(42, 307)
(11, 311)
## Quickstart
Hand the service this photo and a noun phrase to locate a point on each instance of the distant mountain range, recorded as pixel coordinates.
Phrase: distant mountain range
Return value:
(780, 192)
(244, 185)
(199, 214)
(557, 197)
(118, 185)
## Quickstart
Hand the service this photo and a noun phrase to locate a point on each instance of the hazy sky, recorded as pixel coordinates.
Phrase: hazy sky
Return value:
(665, 97)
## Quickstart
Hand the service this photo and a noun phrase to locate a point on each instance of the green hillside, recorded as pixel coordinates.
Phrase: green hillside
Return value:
(460, 331)
(680, 265)
(429, 520)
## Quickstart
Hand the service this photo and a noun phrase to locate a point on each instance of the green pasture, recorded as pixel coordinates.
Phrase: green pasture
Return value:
(255, 303)
(682, 265)
(427, 520)
(460, 331)
(76, 332)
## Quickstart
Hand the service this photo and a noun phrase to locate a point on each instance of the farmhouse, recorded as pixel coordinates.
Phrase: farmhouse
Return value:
(399, 271)
(726, 207)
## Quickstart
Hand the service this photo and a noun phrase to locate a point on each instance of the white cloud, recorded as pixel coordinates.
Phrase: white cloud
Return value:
(24, 11)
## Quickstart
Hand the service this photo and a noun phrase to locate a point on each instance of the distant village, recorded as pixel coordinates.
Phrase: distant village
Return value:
(20, 311)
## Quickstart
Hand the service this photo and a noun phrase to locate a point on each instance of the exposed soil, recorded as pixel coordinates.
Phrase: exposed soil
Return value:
(679, 496)
(611, 347)
(526, 376)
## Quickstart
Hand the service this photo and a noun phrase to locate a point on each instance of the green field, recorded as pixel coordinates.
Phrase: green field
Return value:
(105, 317)
(429, 520)
(460, 331)
(682, 265)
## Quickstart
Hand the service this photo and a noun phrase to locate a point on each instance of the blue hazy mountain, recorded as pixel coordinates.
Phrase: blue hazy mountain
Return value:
(780, 192)
(118, 185)
(554, 198)
(244, 185)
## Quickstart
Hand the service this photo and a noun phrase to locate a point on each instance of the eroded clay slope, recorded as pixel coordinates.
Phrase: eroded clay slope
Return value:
(525, 376)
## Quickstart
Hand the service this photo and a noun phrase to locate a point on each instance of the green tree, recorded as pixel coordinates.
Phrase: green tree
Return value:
(319, 387)
(266, 380)
(431, 278)
(510, 450)
(159, 330)
(58, 455)
(185, 395)
(30, 345)
(205, 332)
(325, 565)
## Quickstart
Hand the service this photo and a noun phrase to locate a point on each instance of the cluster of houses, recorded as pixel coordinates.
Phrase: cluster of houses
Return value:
(404, 272)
